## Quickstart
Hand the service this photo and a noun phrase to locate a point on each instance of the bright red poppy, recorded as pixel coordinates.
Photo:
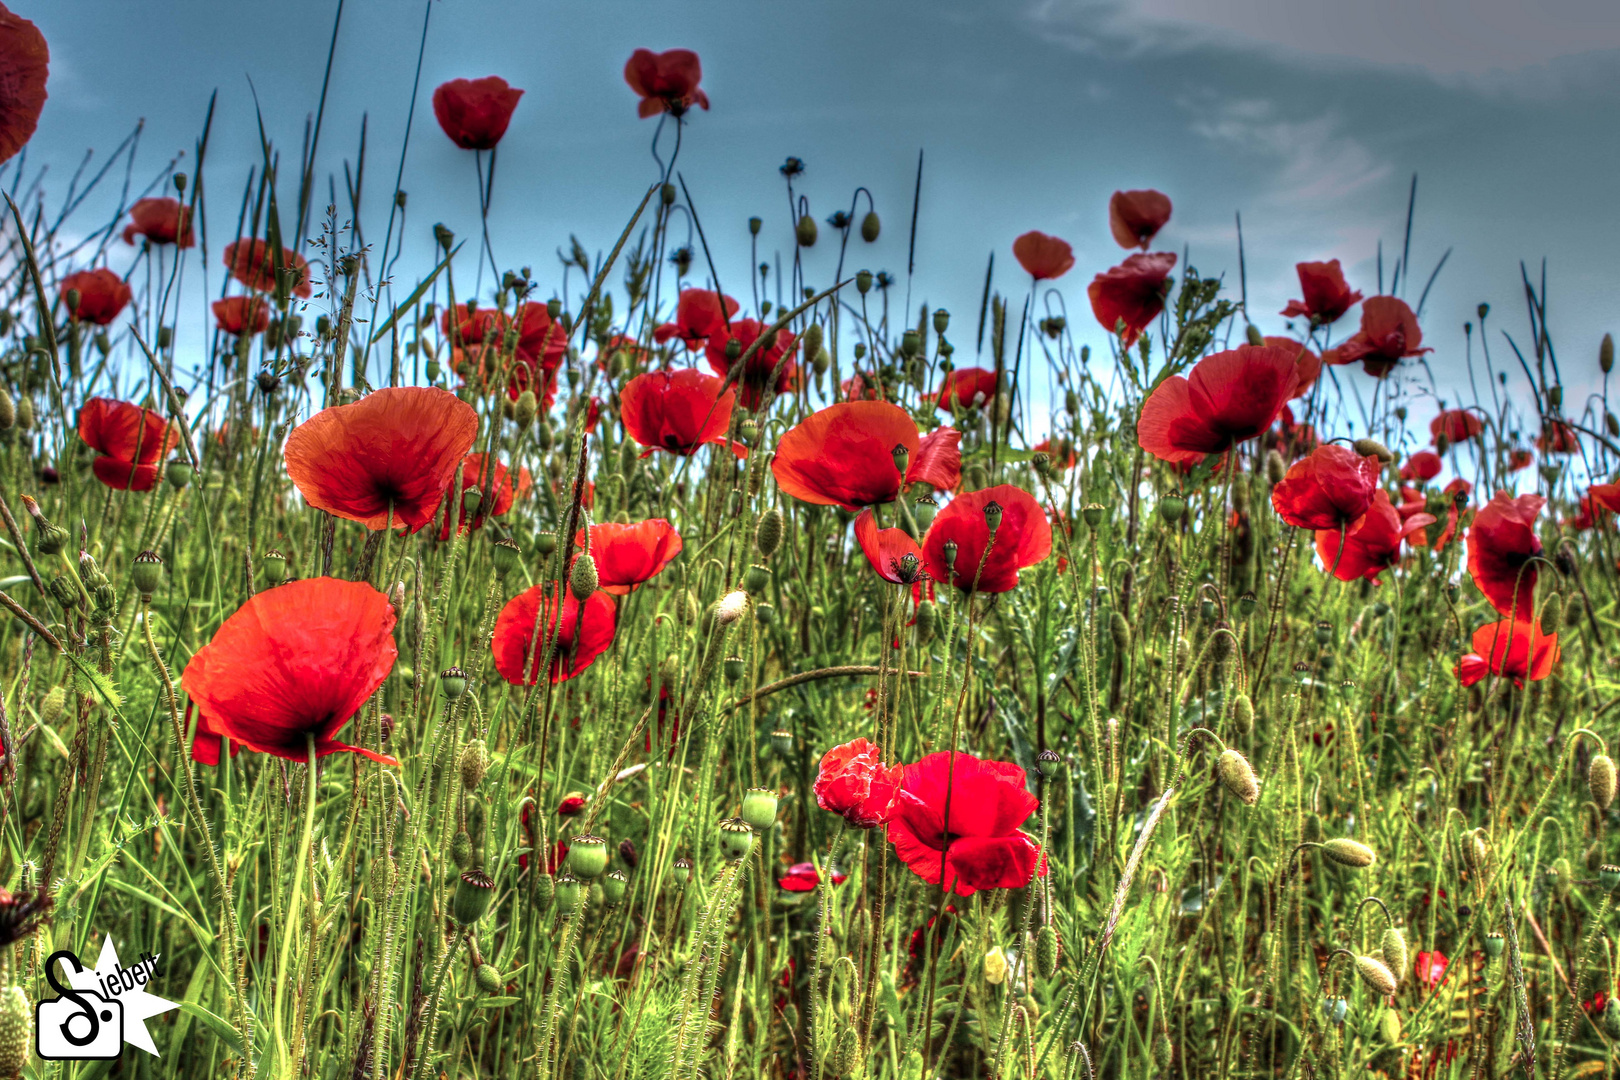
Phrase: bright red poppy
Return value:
(1430, 968)
(698, 317)
(1605, 495)
(1022, 539)
(678, 411)
(666, 81)
(1327, 295)
(1501, 545)
(1389, 334)
(242, 314)
(102, 295)
(892, 552)
(160, 221)
(496, 494)
(1135, 217)
(386, 459)
(295, 661)
(802, 877)
(1329, 488)
(1412, 502)
(1557, 437)
(966, 388)
(1516, 648)
(254, 265)
(1132, 292)
(1229, 398)
(580, 636)
(956, 823)
(853, 781)
(1421, 467)
(475, 112)
(25, 62)
(1045, 258)
(1457, 425)
(205, 738)
(846, 455)
(629, 555)
(1456, 495)
(1372, 544)
(130, 441)
(757, 374)
(1306, 362)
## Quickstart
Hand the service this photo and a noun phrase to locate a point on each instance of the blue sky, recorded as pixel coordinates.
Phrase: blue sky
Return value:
(1308, 118)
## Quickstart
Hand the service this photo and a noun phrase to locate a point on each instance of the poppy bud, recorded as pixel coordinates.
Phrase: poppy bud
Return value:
(1237, 776)
(1172, 508)
(759, 808)
(488, 979)
(754, 225)
(811, 339)
(1120, 631)
(1222, 646)
(1255, 336)
(863, 282)
(568, 894)
(587, 856)
(583, 578)
(178, 474)
(756, 578)
(453, 681)
(147, 573)
(1375, 975)
(8, 410)
(444, 236)
(1555, 395)
(1276, 467)
(1600, 780)
(927, 619)
(805, 231)
(461, 849)
(1393, 948)
(992, 516)
(1493, 948)
(50, 709)
(1347, 852)
(682, 870)
(473, 764)
(1552, 613)
(846, 1055)
(1476, 851)
(870, 226)
(1606, 354)
(1243, 713)
(472, 897)
(524, 409)
(1373, 448)
(72, 301)
(1389, 1027)
(1048, 951)
(736, 839)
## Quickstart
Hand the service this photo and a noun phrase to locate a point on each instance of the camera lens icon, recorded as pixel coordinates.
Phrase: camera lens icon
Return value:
(78, 1025)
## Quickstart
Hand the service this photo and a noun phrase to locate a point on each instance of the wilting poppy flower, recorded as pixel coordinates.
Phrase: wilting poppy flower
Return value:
(1045, 258)
(853, 781)
(677, 411)
(242, 314)
(1430, 968)
(629, 555)
(892, 552)
(1229, 398)
(1457, 425)
(756, 376)
(802, 877)
(1372, 544)
(1132, 292)
(475, 112)
(387, 458)
(254, 265)
(1023, 538)
(966, 388)
(1456, 494)
(1516, 648)
(102, 295)
(697, 318)
(496, 494)
(846, 455)
(160, 221)
(579, 637)
(1332, 487)
(1135, 217)
(1389, 333)
(666, 81)
(980, 845)
(1501, 545)
(130, 440)
(1308, 364)
(25, 62)
(1557, 437)
(1327, 296)
(1422, 466)
(295, 661)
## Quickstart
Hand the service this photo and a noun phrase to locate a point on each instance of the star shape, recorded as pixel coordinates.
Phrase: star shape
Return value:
(139, 1006)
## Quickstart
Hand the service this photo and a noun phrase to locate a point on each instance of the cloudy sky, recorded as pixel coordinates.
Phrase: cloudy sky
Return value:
(1308, 118)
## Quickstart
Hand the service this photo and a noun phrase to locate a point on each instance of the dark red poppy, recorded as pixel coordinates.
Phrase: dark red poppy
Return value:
(1457, 425)
(571, 806)
(1327, 296)
(678, 411)
(387, 458)
(254, 265)
(25, 62)
(160, 221)
(1308, 363)
(802, 877)
(1132, 292)
(579, 637)
(1332, 487)
(475, 112)
(1023, 538)
(102, 295)
(1389, 334)
(242, 314)
(1135, 217)
(697, 318)
(666, 81)
(1557, 437)
(853, 781)
(1516, 648)
(496, 494)
(1501, 545)
(1372, 544)
(131, 442)
(295, 661)
(1422, 466)
(892, 552)
(979, 845)
(1430, 968)
(966, 388)
(846, 455)
(757, 373)
(1045, 258)
(1229, 398)
(629, 555)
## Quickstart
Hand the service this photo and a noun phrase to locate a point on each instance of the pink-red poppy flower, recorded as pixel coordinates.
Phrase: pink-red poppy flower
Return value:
(774, 360)
(1430, 968)
(242, 314)
(891, 552)
(102, 295)
(1229, 398)
(1327, 296)
(1135, 217)
(253, 264)
(160, 221)
(1306, 362)
(1557, 437)
(1372, 544)
(987, 560)
(293, 663)
(1389, 334)
(1132, 293)
(1457, 425)
(1421, 467)
(677, 411)
(1502, 545)
(802, 877)
(852, 781)
(629, 555)
(666, 81)
(1331, 487)
(698, 317)
(130, 442)
(849, 455)
(582, 634)
(475, 112)
(966, 388)
(25, 62)
(956, 824)
(1516, 648)
(1045, 258)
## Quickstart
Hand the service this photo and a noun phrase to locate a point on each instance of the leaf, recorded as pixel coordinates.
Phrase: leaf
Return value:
(410, 301)
(497, 1002)
(215, 1023)
(90, 681)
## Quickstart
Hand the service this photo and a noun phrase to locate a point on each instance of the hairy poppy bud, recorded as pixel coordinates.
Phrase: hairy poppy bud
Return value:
(1276, 467)
(16, 1029)
(1373, 448)
(25, 413)
(50, 709)
(1392, 946)
(1172, 508)
(488, 979)
(524, 409)
(473, 894)
(587, 856)
(846, 1055)
(1555, 396)
(1222, 645)
(1476, 852)
(583, 578)
(1237, 776)
(1254, 335)
(1375, 975)
(1389, 1026)
(1243, 713)
(568, 894)
(473, 764)
(927, 621)
(72, 299)
(8, 410)
(1600, 780)
(1120, 631)
(1048, 951)
(759, 808)
(1442, 443)
(736, 839)
(870, 226)
(453, 681)
(1606, 354)
(147, 573)
(768, 533)
(811, 339)
(1552, 613)
(1347, 852)
(805, 231)
(1164, 1051)
(461, 849)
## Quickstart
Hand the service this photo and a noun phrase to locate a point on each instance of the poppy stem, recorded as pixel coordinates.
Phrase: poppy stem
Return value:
(286, 1067)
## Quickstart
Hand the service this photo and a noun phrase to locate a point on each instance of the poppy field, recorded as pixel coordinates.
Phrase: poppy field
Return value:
(641, 666)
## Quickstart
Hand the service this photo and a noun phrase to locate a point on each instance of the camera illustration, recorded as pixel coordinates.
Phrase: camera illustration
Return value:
(77, 1025)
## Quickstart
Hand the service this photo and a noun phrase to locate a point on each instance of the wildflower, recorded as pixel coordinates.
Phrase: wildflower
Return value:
(1501, 545)
(1132, 292)
(572, 806)
(979, 845)
(698, 317)
(24, 64)
(1135, 217)
(1045, 258)
(1389, 334)
(475, 112)
(1306, 363)
(102, 295)
(850, 455)
(1372, 544)
(496, 494)
(893, 554)
(254, 265)
(583, 633)
(242, 315)
(1457, 425)
(130, 441)
(1060, 452)
(802, 877)
(629, 555)
(678, 411)
(160, 221)
(966, 388)
(1331, 487)
(1327, 296)
(1557, 437)
(852, 781)
(761, 368)
(1422, 466)
(666, 81)
(1229, 398)
(1022, 538)
(1513, 647)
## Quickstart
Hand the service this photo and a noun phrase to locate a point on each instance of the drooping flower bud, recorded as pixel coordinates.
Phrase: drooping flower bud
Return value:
(1373, 448)
(1048, 951)
(1237, 776)
(1600, 780)
(50, 709)
(1606, 354)
(870, 226)
(473, 764)
(1392, 946)
(488, 978)
(1254, 334)
(805, 231)
(1376, 975)
(1347, 852)
(461, 849)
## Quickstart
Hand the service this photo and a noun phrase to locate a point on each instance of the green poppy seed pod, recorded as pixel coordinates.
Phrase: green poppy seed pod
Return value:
(754, 225)
(1347, 852)
(444, 236)
(682, 870)
(768, 533)
(147, 573)
(756, 578)
(461, 849)
(554, 308)
(1552, 613)
(178, 474)
(1093, 514)
(471, 499)
(1600, 780)
(1392, 946)
(25, 413)
(1048, 951)
(667, 194)
(488, 979)
(568, 894)
(1049, 764)
(870, 226)
(992, 516)
(1276, 467)
(1378, 977)
(507, 557)
(545, 543)
(1606, 354)
(736, 839)
(473, 893)
(1555, 396)
(273, 567)
(733, 349)
(812, 339)
(764, 614)
(910, 343)
(863, 284)
(1609, 876)
(923, 511)
(805, 231)
(50, 709)
(1254, 334)
(473, 764)
(732, 667)
(613, 886)
(583, 578)
(1494, 944)
(1172, 508)
(587, 856)
(1237, 776)
(902, 459)
(1120, 631)
(759, 808)
(782, 742)
(453, 681)
(1611, 1018)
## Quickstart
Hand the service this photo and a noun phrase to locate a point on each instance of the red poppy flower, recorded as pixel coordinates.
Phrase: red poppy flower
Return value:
(1456, 494)
(697, 318)
(1306, 362)
(1332, 487)
(845, 455)
(1412, 501)
(242, 314)
(1229, 398)
(1430, 967)
(756, 376)
(677, 411)
(1421, 467)
(475, 112)
(1045, 258)
(205, 738)
(1513, 647)
(1558, 437)
(980, 846)
(1457, 425)
(102, 295)
(1135, 217)
(580, 637)
(160, 221)
(1605, 495)
(1023, 539)
(1500, 546)
(629, 555)
(254, 265)
(25, 62)
(890, 551)
(1061, 452)
(666, 81)
(853, 781)
(1520, 459)
(571, 806)
(1327, 296)
(130, 440)
(802, 877)
(496, 494)
(1372, 544)
(295, 661)
(386, 458)
(1132, 292)
(966, 388)
(1389, 333)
